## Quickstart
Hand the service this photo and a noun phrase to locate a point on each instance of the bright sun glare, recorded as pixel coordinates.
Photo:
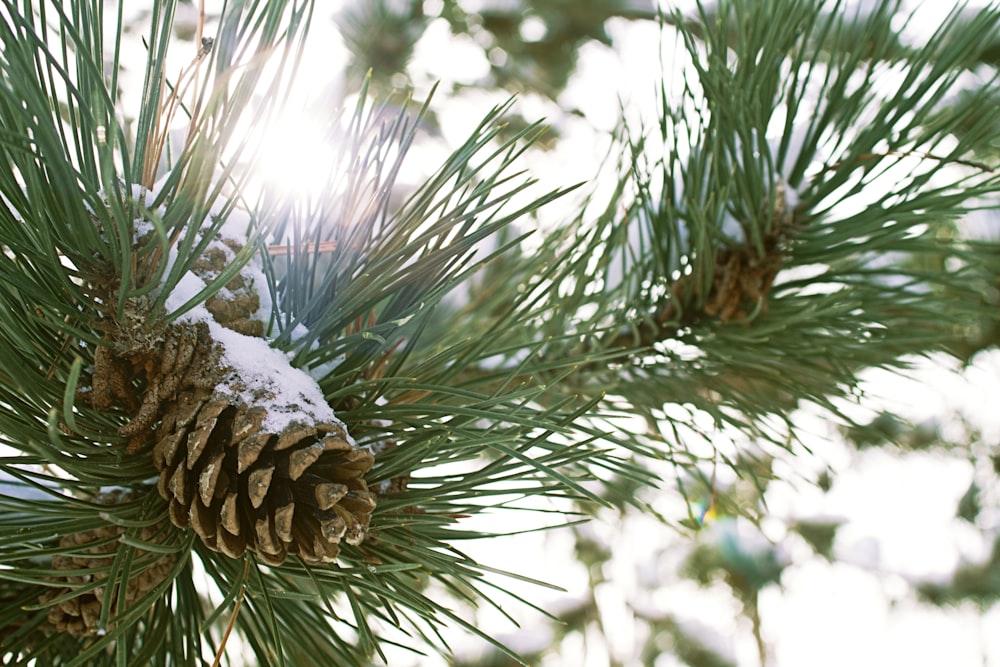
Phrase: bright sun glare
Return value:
(296, 153)
(294, 157)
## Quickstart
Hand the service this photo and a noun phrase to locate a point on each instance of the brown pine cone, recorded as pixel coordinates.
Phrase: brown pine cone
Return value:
(300, 491)
(235, 305)
(94, 551)
(249, 457)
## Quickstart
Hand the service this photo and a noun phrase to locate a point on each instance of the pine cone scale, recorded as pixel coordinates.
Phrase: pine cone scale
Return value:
(300, 459)
(163, 456)
(354, 532)
(258, 483)
(229, 514)
(328, 494)
(203, 522)
(198, 440)
(178, 513)
(267, 539)
(209, 477)
(178, 486)
(232, 545)
(354, 464)
(247, 423)
(250, 449)
(283, 521)
(293, 434)
(332, 524)
(188, 407)
(358, 502)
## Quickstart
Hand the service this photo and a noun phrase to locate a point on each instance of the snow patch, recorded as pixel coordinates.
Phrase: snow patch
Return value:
(259, 373)
(254, 372)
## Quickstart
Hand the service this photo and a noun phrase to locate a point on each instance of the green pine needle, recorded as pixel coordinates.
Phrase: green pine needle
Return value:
(785, 223)
(454, 437)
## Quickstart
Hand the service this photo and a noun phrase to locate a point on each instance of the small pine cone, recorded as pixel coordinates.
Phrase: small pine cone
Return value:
(235, 305)
(299, 492)
(95, 550)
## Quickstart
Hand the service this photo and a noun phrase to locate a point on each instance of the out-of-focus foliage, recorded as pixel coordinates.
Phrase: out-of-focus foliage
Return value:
(531, 45)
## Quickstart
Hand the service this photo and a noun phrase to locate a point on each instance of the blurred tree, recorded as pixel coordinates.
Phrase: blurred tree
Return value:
(531, 45)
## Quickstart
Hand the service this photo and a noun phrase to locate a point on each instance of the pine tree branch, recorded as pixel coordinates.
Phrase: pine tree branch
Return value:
(105, 321)
(776, 233)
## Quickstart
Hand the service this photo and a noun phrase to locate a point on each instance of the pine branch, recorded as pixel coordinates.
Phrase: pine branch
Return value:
(144, 434)
(786, 224)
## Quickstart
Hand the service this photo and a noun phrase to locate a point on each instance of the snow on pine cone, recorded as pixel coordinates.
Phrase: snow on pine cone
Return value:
(250, 454)
(236, 304)
(239, 486)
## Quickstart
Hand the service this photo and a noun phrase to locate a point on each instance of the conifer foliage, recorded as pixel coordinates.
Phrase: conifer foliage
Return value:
(232, 419)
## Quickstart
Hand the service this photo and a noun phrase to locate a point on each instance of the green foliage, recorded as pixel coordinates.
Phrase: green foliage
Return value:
(884, 427)
(977, 583)
(449, 447)
(689, 647)
(381, 36)
(787, 220)
(531, 45)
(819, 534)
(970, 505)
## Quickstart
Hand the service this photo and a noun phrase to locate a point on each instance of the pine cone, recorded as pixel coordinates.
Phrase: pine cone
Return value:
(235, 305)
(95, 550)
(300, 491)
(248, 459)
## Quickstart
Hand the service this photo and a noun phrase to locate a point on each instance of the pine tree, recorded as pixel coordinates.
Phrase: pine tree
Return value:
(233, 417)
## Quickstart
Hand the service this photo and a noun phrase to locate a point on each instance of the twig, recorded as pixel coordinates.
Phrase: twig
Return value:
(321, 248)
(229, 628)
(863, 157)
(754, 610)
(168, 106)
